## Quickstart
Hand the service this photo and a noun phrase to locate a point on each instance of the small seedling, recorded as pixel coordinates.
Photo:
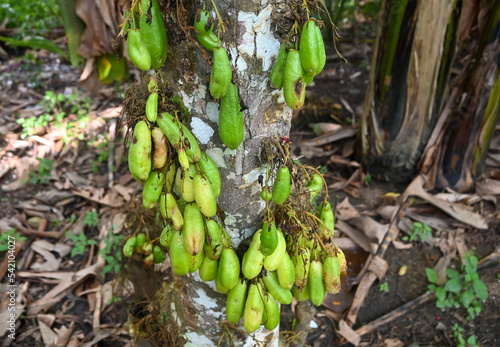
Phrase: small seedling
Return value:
(91, 218)
(112, 252)
(368, 178)
(6, 237)
(44, 170)
(384, 287)
(419, 232)
(471, 341)
(468, 292)
(81, 243)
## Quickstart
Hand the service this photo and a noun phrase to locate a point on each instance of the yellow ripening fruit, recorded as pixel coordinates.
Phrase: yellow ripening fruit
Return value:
(160, 148)
(193, 230)
(254, 308)
(273, 261)
(286, 272)
(253, 259)
(331, 274)
(302, 261)
(170, 210)
(213, 240)
(204, 195)
(139, 155)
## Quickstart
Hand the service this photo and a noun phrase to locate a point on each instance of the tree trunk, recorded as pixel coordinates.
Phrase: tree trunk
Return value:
(409, 92)
(252, 44)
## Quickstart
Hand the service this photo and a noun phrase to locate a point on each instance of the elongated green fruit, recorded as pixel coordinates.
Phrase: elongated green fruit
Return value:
(268, 238)
(137, 50)
(179, 257)
(196, 262)
(204, 196)
(253, 259)
(221, 74)
(231, 127)
(331, 274)
(169, 125)
(153, 188)
(166, 236)
(160, 148)
(139, 155)
(325, 230)
(236, 299)
(187, 183)
(342, 261)
(312, 48)
(193, 231)
(152, 107)
(169, 180)
(286, 272)
(278, 69)
(229, 268)
(273, 261)
(208, 269)
(213, 240)
(158, 254)
(140, 240)
(204, 26)
(170, 210)
(211, 171)
(128, 247)
(282, 185)
(254, 308)
(218, 285)
(301, 294)
(293, 84)
(265, 194)
(272, 312)
(315, 185)
(317, 290)
(301, 260)
(154, 33)
(281, 294)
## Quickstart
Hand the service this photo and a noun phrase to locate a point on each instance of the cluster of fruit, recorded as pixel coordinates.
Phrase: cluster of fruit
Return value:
(295, 69)
(293, 254)
(231, 127)
(146, 35)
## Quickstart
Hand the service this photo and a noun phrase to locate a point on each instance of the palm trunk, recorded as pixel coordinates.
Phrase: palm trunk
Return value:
(411, 107)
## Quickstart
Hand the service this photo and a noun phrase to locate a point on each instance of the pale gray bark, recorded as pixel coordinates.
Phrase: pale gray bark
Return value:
(253, 45)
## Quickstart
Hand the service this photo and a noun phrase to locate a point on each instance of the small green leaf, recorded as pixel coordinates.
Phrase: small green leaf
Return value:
(466, 298)
(453, 285)
(481, 290)
(431, 275)
(452, 273)
(440, 293)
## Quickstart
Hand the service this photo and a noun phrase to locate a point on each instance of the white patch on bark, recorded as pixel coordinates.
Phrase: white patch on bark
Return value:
(195, 101)
(217, 156)
(252, 177)
(197, 340)
(267, 45)
(213, 111)
(247, 43)
(201, 130)
(279, 93)
(257, 37)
